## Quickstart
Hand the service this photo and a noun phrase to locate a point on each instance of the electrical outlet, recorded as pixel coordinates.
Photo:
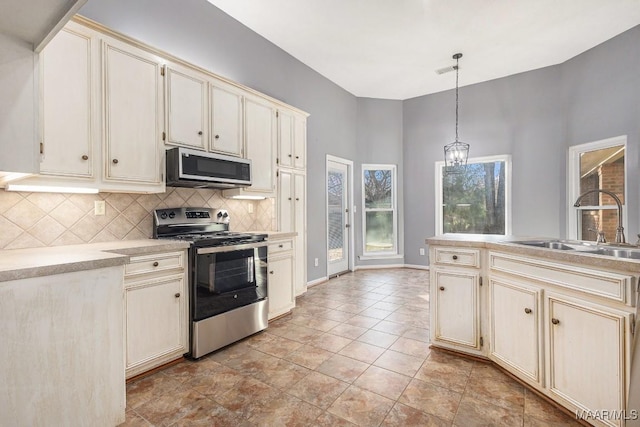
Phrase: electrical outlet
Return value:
(250, 207)
(315, 262)
(99, 207)
(421, 251)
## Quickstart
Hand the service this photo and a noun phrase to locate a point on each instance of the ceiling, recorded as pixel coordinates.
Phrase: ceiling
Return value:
(390, 49)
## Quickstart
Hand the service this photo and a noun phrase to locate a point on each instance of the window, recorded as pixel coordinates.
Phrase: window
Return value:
(379, 213)
(476, 200)
(596, 165)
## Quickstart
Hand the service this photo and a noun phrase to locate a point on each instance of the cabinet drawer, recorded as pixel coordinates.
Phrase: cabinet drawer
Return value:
(457, 256)
(280, 246)
(153, 263)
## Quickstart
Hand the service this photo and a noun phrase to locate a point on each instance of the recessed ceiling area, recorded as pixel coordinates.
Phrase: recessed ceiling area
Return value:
(391, 49)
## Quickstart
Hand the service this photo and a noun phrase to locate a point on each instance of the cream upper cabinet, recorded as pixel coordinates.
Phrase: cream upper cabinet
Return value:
(516, 313)
(260, 132)
(133, 113)
(586, 354)
(226, 120)
(292, 139)
(67, 103)
(186, 107)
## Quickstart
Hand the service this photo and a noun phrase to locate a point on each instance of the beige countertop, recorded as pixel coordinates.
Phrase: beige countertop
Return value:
(18, 264)
(506, 244)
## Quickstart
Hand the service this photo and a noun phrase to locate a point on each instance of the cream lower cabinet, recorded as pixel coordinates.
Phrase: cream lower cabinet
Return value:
(515, 320)
(281, 272)
(586, 355)
(156, 317)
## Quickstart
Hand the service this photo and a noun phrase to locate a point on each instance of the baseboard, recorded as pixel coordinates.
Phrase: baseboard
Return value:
(317, 281)
(417, 266)
(377, 267)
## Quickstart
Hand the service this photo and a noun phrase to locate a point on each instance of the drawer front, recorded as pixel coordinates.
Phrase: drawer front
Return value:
(280, 246)
(154, 263)
(457, 256)
(613, 286)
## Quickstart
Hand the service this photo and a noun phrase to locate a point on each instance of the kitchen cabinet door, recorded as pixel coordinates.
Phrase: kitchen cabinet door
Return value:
(155, 319)
(260, 131)
(226, 121)
(586, 354)
(457, 313)
(300, 142)
(187, 110)
(515, 327)
(67, 103)
(300, 226)
(133, 114)
(292, 139)
(281, 293)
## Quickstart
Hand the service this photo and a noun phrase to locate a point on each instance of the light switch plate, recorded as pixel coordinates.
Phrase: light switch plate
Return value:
(99, 207)
(421, 251)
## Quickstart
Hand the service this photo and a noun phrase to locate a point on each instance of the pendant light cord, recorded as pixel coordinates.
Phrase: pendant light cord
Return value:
(457, 68)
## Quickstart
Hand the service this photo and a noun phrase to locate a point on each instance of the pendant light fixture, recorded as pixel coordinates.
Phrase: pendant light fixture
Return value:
(457, 152)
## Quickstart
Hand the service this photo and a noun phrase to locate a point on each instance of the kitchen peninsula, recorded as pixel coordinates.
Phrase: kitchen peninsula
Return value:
(560, 316)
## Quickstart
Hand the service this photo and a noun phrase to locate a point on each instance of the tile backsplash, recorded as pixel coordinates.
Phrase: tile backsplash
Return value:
(52, 219)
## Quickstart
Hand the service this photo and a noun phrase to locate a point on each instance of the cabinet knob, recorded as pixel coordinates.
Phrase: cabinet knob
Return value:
(115, 161)
(527, 310)
(289, 155)
(555, 321)
(442, 288)
(85, 157)
(289, 198)
(281, 246)
(177, 295)
(271, 272)
(297, 157)
(297, 199)
(155, 264)
(455, 257)
(217, 137)
(199, 132)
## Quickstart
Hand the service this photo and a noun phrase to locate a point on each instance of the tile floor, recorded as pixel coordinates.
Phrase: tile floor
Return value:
(355, 351)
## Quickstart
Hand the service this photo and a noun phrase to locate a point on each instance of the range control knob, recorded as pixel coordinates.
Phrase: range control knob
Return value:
(163, 215)
(219, 215)
(224, 215)
(172, 215)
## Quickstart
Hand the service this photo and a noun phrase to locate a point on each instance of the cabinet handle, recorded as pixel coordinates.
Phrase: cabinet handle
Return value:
(527, 310)
(217, 137)
(281, 246)
(155, 264)
(455, 257)
(297, 157)
(297, 199)
(199, 132)
(85, 157)
(442, 288)
(115, 161)
(271, 272)
(555, 321)
(177, 295)
(289, 198)
(289, 155)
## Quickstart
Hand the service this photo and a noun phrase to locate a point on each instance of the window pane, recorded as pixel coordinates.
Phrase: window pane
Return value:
(335, 189)
(379, 233)
(377, 189)
(603, 169)
(474, 201)
(593, 220)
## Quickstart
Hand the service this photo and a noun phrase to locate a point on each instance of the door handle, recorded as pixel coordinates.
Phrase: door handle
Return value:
(347, 225)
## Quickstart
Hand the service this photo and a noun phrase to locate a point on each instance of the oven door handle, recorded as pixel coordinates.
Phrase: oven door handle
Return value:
(230, 248)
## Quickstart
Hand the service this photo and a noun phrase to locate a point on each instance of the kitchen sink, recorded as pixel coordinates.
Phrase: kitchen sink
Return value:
(584, 247)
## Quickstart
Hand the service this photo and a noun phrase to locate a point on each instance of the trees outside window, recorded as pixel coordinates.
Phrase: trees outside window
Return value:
(475, 199)
(379, 209)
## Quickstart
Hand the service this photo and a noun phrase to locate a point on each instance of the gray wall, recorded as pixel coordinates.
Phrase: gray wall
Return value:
(197, 32)
(379, 141)
(534, 117)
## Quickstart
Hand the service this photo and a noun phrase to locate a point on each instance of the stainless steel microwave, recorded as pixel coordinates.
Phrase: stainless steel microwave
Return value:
(199, 169)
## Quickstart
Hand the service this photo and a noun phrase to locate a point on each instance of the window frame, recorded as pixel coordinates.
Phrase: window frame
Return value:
(439, 205)
(573, 182)
(394, 209)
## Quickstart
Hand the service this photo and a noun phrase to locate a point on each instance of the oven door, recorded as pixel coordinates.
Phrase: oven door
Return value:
(228, 277)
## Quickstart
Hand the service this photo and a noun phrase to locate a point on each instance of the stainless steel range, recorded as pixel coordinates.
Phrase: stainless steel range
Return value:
(227, 276)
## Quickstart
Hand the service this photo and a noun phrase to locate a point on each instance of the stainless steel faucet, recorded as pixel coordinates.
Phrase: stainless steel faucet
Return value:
(620, 229)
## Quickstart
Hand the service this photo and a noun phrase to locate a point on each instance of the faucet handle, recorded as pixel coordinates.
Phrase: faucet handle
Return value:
(600, 233)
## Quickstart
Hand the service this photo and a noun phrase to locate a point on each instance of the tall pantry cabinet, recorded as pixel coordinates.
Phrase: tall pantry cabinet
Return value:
(292, 179)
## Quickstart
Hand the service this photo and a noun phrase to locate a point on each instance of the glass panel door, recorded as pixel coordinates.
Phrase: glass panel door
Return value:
(337, 218)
